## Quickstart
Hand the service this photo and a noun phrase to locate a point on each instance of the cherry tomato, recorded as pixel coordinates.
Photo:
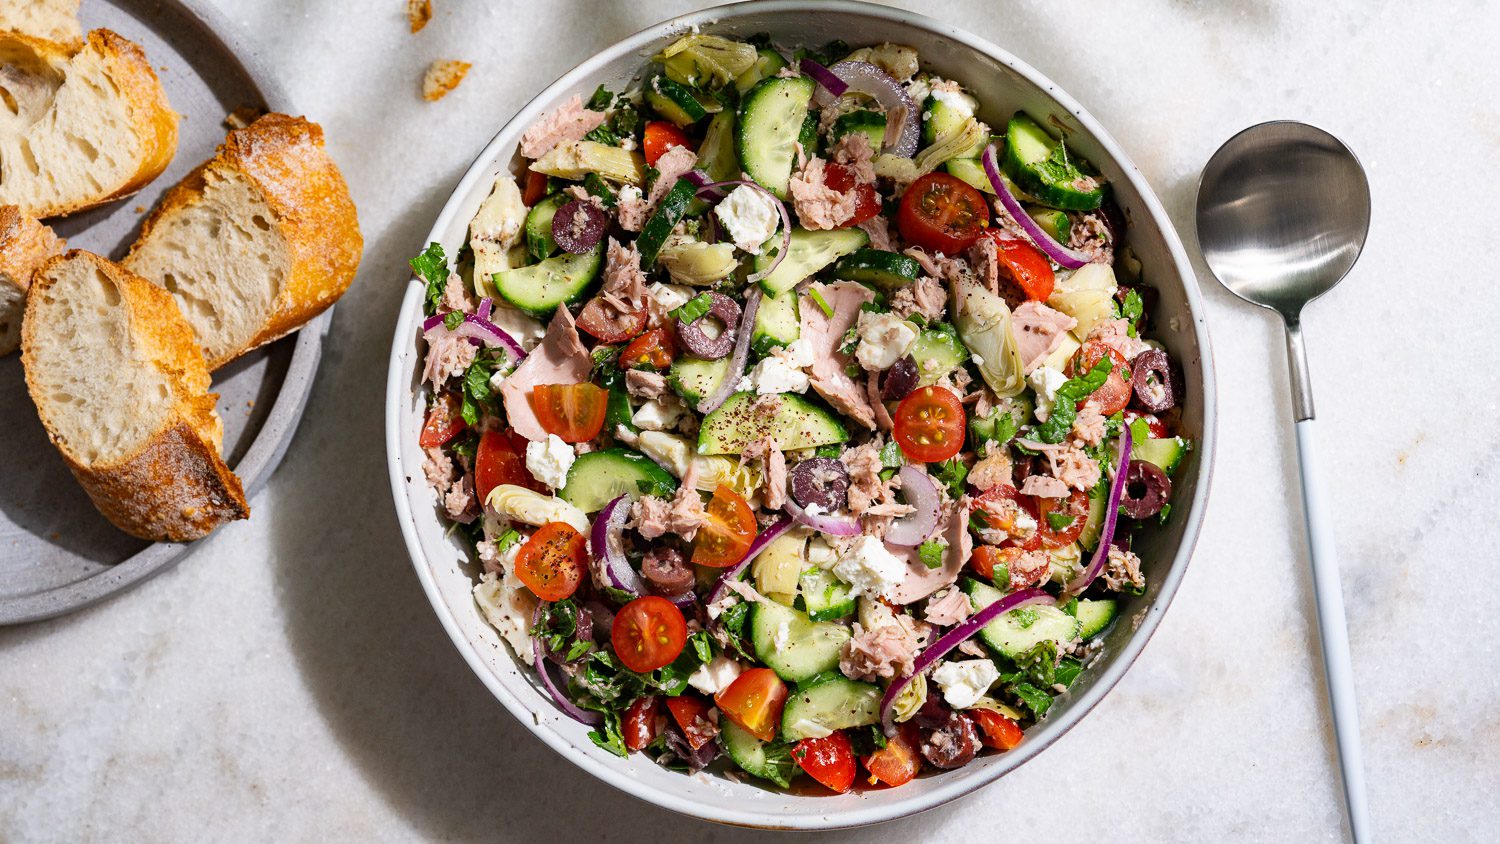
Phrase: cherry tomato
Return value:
(1115, 394)
(574, 412)
(942, 214)
(929, 424)
(536, 188)
(996, 730)
(607, 324)
(443, 422)
(691, 714)
(898, 762)
(641, 724)
(1025, 502)
(830, 760)
(552, 561)
(1075, 506)
(653, 350)
(754, 701)
(1157, 427)
(648, 633)
(983, 561)
(661, 136)
(501, 459)
(840, 177)
(725, 537)
(1023, 264)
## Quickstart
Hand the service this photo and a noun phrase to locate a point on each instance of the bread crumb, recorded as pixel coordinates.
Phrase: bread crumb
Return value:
(242, 117)
(418, 13)
(140, 209)
(443, 76)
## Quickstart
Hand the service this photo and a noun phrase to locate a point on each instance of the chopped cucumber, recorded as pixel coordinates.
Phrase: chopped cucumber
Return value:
(767, 62)
(1039, 164)
(561, 280)
(1018, 631)
(618, 413)
(539, 240)
(940, 118)
(676, 102)
(828, 704)
(693, 378)
(970, 171)
(716, 155)
(750, 753)
(886, 270)
(1165, 453)
(1093, 523)
(600, 477)
(797, 423)
(808, 137)
(669, 212)
(793, 645)
(825, 597)
(809, 252)
(1054, 222)
(937, 353)
(1096, 616)
(769, 125)
(776, 323)
(871, 123)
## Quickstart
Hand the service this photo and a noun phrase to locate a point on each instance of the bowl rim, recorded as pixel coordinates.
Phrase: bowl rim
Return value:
(398, 390)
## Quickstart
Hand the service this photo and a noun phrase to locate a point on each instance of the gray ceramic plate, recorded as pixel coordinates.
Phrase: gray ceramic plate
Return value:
(57, 553)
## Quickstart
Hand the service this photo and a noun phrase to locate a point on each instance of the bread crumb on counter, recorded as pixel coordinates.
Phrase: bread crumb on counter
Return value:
(443, 76)
(418, 13)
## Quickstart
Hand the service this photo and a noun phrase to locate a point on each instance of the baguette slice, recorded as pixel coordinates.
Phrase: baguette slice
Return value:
(83, 124)
(120, 384)
(25, 245)
(54, 20)
(256, 241)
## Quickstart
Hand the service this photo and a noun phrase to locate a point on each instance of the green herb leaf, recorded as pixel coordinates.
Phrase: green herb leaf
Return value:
(432, 267)
(453, 319)
(951, 473)
(931, 553)
(609, 735)
(600, 100)
(830, 451)
(890, 455)
(1073, 391)
(507, 539)
(1058, 520)
(693, 309)
(1032, 698)
(603, 135)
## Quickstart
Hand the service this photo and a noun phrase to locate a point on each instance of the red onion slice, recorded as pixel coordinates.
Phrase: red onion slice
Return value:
(765, 538)
(1111, 517)
(952, 639)
(866, 78)
(477, 330)
(607, 551)
(486, 307)
(718, 190)
(920, 492)
(825, 77)
(544, 671)
(1065, 257)
(829, 523)
(738, 358)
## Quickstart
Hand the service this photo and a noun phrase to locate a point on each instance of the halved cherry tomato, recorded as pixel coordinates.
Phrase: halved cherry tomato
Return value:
(1023, 264)
(552, 561)
(725, 537)
(607, 324)
(840, 177)
(1115, 394)
(641, 724)
(501, 459)
(996, 730)
(660, 136)
(648, 633)
(443, 421)
(830, 760)
(983, 561)
(1025, 502)
(754, 701)
(942, 214)
(1157, 427)
(996, 558)
(691, 714)
(898, 762)
(536, 188)
(574, 412)
(1075, 506)
(929, 424)
(653, 350)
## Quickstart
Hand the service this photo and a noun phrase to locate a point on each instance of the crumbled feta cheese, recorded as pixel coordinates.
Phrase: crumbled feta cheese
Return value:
(627, 143)
(783, 635)
(775, 375)
(750, 216)
(658, 414)
(1045, 380)
(669, 296)
(883, 339)
(918, 89)
(715, 676)
(549, 460)
(497, 379)
(960, 102)
(965, 681)
(869, 568)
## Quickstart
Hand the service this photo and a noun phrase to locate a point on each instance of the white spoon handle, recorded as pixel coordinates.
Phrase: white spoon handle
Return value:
(1331, 624)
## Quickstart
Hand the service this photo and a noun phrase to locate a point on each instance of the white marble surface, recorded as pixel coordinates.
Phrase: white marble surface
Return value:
(289, 681)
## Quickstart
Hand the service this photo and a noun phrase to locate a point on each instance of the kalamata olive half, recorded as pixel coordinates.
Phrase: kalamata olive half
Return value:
(578, 226)
(726, 313)
(1147, 489)
(822, 481)
(952, 745)
(667, 571)
(1154, 380)
(898, 381)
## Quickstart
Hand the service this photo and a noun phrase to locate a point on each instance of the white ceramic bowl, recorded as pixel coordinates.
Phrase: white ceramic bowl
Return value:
(1003, 84)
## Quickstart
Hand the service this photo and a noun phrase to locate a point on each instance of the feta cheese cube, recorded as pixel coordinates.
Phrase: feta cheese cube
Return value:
(883, 340)
(549, 460)
(869, 568)
(1046, 381)
(658, 414)
(750, 216)
(965, 681)
(715, 676)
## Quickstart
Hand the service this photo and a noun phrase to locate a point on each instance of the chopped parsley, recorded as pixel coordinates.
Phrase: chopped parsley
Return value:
(1059, 521)
(931, 553)
(1065, 406)
(951, 473)
(432, 267)
(596, 186)
(693, 309)
(600, 100)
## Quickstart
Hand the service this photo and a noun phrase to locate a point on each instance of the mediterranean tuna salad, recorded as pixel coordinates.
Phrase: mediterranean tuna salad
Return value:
(799, 421)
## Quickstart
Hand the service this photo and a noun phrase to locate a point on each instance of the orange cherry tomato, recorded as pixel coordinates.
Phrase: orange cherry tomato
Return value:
(574, 412)
(659, 137)
(642, 722)
(941, 213)
(536, 188)
(1112, 397)
(444, 421)
(1023, 264)
(1075, 507)
(983, 560)
(840, 177)
(648, 633)
(653, 350)
(830, 760)
(501, 459)
(930, 424)
(996, 730)
(725, 537)
(898, 763)
(552, 561)
(607, 324)
(754, 701)
(691, 714)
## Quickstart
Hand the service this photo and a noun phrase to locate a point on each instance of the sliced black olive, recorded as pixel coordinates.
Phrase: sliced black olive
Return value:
(822, 481)
(723, 310)
(1147, 489)
(898, 381)
(1154, 381)
(578, 226)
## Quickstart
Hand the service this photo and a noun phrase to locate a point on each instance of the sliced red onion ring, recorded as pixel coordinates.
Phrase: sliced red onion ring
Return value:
(478, 330)
(607, 552)
(1065, 257)
(920, 492)
(866, 78)
(952, 639)
(544, 670)
(698, 178)
(829, 523)
(486, 307)
(765, 538)
(1111, 517)
(825, 77)
(717, 190)
(736, 360)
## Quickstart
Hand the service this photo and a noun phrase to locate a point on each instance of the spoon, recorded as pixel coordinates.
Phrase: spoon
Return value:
(1283, 209)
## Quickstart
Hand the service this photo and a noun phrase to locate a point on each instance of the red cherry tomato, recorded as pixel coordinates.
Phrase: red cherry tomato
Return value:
(898, 763)
(1023, 264)
(996, 730)
(1157, 427)
(661, 136)
(725, 538)
(942, 214)
(501, 459)
(648, 633)
(574, 412)
(443, 421)
(754, 701)
(840, 177)
(536, 188)
(552, 561)
(1025, 502)
(691, 714)
(830, 760)
(1074, 507)
(929, 424)
(1115, 394)
(653, 350)
(641, 724)
(607, 324)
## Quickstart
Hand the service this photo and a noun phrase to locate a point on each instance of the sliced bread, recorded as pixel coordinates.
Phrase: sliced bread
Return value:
(121, 386)
(54, 20)
(82, 124)
(255, 242)
(25, 244)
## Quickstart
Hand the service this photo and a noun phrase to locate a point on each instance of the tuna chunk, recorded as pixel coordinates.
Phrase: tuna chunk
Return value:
(853, 150)
(569, 122)
(644, 384)
(1123, 568)
(559, 359)
(1115, 333)
(1044, 486)
(884, 651)
(921, 581)
(1029, 568)
(819, 206)
(766, 450)
(949, 608)
(879, 230)
(823, 336)
(1038, 331)
(448, 355)
(925, 296)
(632, 208)
(866, 489)
(673, 164)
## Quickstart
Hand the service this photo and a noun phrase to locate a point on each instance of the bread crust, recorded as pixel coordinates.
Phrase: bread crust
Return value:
(25, 244)
(283, 157)
(174, 486)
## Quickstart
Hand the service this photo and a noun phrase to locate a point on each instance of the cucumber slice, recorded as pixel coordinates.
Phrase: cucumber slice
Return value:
(825, 596)
(752, 755)
(793, 645)
(539, 240)
(561, 280)
(1165, 453)
(776, 323)
(810, 251)
(769, 125)
(870, 123)
(1039, 165)
(767, 62)
(938, 119)
(716, 155)
(1055, 223)
(1096, 616)
(600, 477)
(676, 102)
(886, 270)
(693, 378)
(828, 704)
(808, 137)
(796, 424)
(618, 413)
(970, 171)
(669, 212)
(937, 353)
(1008, 635)
(1093, 523)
